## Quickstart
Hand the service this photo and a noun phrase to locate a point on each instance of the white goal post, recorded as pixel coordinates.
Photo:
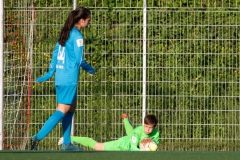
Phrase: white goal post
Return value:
(1, 75)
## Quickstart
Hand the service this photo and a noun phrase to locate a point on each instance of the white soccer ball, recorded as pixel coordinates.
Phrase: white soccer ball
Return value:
(150, 146)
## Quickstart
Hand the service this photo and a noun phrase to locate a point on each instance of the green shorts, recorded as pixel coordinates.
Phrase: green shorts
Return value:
(122, 144)
(112, 146)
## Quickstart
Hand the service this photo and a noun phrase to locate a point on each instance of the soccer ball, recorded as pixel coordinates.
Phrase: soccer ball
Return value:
(150, 146)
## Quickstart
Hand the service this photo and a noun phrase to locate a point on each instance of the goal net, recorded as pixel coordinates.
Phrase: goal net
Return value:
(18, 40)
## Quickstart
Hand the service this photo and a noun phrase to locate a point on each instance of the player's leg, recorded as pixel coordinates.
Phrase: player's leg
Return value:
(127, 125)
(62, 108)
(67, 124)
(71, 97)
(115, 145)
(99, 147)
(66, 127)
(46, 129)
(87, 142)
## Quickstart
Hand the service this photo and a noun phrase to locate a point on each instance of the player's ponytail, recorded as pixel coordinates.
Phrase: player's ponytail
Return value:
(73, 18)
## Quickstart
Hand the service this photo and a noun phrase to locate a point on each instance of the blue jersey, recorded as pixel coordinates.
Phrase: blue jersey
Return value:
(67, 60)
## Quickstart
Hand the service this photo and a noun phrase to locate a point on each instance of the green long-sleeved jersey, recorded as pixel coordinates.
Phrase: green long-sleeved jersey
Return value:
(131, 143)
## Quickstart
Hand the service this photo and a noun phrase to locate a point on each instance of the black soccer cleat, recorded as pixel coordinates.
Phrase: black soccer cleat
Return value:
(34, 143)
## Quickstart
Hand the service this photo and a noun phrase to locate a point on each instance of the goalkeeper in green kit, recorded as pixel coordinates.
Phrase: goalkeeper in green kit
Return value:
(141, 134)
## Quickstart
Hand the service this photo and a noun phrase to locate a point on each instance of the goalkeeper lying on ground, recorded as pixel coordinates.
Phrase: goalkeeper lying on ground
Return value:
(130, 142)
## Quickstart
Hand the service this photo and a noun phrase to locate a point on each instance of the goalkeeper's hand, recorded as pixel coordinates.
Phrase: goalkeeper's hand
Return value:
(145, 141)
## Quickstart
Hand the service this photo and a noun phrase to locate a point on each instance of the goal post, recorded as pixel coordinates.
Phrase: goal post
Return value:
(1, 75)
(72, 127)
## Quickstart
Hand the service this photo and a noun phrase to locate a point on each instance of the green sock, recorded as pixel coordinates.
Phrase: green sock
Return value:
(128, 127)
(85, 141)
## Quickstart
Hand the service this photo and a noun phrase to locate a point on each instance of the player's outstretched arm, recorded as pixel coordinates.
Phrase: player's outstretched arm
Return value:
(127, 125)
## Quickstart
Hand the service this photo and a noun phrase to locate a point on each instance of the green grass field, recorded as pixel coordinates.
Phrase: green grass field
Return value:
(106, 155)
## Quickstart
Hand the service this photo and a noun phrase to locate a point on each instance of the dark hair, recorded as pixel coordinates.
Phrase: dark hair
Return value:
(73, 18)
(151, 120)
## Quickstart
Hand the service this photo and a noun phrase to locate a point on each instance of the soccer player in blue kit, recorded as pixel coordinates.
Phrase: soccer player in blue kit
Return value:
(66, 61)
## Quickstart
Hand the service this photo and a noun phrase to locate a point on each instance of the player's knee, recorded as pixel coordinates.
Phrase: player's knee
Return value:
(99, 146)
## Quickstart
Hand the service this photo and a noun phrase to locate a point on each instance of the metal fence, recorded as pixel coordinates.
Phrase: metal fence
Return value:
(188, 78)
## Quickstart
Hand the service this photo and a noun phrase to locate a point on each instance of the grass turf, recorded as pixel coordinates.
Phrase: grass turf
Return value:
(101, 155)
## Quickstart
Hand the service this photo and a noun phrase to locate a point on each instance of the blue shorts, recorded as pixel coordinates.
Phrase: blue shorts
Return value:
(66, 94)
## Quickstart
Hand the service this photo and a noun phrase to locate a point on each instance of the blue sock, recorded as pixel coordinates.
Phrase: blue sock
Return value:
(50, 124)
(67, 125)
